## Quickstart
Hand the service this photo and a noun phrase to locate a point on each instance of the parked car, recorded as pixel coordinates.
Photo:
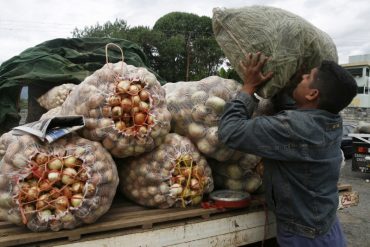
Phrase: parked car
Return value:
(346, 144)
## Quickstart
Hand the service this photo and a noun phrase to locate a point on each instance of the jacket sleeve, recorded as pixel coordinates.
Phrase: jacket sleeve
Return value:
(266, 136)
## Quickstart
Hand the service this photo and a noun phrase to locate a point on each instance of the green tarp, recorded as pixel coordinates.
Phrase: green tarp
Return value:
(56, 62)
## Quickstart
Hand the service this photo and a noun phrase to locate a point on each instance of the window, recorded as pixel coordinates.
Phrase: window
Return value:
(355, 71)
(367, 71)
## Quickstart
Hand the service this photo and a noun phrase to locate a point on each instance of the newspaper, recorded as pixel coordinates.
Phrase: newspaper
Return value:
(51, 129)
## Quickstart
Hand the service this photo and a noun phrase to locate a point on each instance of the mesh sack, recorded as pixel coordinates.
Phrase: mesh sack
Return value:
(55, 96)
(294, 45)
(55, 186)
(244, 174)
(172, 175)
(54, 112)
(124, 109)
(196, 107)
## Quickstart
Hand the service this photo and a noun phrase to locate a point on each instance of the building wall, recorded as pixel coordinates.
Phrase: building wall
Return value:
(353, 115)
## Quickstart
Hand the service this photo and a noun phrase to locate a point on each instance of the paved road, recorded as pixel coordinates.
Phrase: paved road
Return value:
(356, 220)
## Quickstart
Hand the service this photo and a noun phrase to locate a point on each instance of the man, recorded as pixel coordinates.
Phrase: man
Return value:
(301, 149)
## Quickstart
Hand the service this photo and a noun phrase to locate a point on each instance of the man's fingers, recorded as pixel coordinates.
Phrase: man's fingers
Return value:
(268, 76)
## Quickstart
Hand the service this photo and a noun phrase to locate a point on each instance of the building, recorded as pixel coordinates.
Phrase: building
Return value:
(359, 109)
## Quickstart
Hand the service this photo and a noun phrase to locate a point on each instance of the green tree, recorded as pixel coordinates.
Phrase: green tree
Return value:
(190, 51)
(117, 29)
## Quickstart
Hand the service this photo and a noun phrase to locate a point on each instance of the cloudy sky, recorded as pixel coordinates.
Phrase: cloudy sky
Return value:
(26, 23)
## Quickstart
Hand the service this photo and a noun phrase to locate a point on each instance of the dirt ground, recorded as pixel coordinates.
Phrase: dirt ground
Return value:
(356, 220)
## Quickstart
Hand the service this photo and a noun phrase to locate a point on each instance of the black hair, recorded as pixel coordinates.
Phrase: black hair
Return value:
(336, 86)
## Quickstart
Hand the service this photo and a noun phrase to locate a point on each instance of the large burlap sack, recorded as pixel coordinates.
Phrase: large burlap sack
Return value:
(61, 185)
(124, 108)
(294, 45)
(172, 175)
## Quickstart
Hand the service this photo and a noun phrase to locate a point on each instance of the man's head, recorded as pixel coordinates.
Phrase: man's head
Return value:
(329, 87)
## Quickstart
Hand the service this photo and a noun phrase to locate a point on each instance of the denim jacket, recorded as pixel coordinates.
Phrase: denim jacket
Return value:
(302, 157)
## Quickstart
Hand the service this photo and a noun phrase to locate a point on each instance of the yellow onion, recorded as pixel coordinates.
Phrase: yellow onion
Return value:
(76, 200)
(32, 193)
(53, 176)
(68, 176)
(139, 118)
(194, 184)
(133, 90)
(144, 95)
(126, 104)
(106, 111)
(70, 161)
(123, 86)
(136, 100)
(41, 158)
(55, 164)
(114, 100)
(120, 125)
(45, 185)
(61, 203)
(43, 202)
(116, 112)
(77, 187)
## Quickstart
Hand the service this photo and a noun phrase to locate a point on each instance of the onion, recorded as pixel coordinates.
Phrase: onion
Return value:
(106, 111)
(139, 118)
(114, 100)
(43, 202)
(83, 176)
(180, 179)
(196, 200)
(216, 103)
(133, 90)
(61, 203)
(142, 130)
(126, 104)
(89, 189)
(55, 164)
(45, 185)
(117, 112)
(77, 187)
(68, 176)
(144, 95)
(45, 215)
(196, 130)
(53, 176)
(67, 191)
(32, 193)
(194, 184)
(120, 125)
(70, 161)
(123, 86)
(176, 189)
(197, 171)
(54, 193)
(136, 100)
(143, 106)
(76, 200)
(41, 158)
(135, 110)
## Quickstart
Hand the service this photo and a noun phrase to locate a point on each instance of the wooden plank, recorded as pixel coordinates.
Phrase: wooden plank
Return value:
(223, 231)
(344, 187)
(108, 224)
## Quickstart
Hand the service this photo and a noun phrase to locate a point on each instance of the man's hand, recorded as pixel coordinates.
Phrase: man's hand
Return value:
(252, 71)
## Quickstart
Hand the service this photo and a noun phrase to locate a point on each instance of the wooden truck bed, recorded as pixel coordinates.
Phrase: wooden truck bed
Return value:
(127, 224)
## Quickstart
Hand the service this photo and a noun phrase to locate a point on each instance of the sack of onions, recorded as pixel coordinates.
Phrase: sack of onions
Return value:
(172, 175)
(51, 113)
(55, 96)
(196, 107)
(124, 109)
(244, 174)
(61, 185)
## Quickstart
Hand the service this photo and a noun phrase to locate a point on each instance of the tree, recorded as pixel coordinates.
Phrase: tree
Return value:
(117, 29)
(197, 54)
(181, 46)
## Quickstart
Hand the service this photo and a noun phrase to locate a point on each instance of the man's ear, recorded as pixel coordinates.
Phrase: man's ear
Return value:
(313, 95)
